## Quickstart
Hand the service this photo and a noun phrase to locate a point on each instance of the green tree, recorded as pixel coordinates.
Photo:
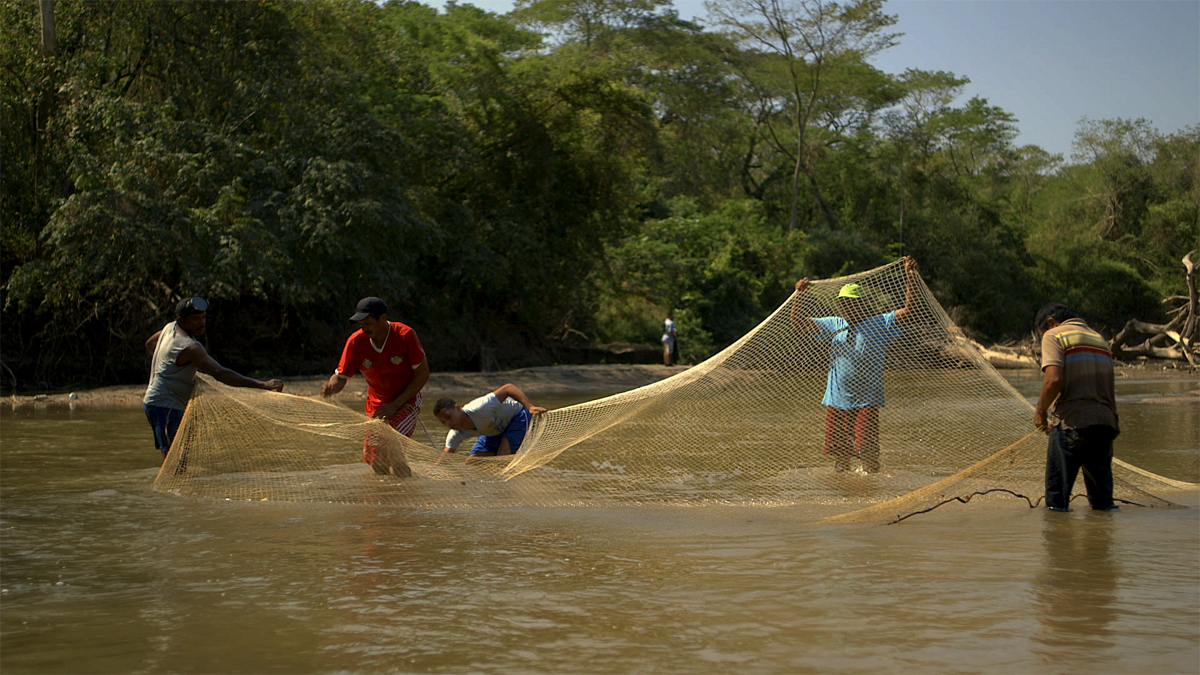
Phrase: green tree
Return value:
(957, 176)
(722, 272)
(1110, 228)
(547, 171)
(815, 80)
(221, 148)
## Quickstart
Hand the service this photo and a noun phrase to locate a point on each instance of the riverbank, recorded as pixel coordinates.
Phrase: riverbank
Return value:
(536, 381)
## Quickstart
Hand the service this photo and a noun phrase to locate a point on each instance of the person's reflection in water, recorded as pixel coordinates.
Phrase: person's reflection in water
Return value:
(1076, 590)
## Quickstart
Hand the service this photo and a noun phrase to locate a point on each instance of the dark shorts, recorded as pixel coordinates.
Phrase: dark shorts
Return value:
(164, 422)
(514, 432)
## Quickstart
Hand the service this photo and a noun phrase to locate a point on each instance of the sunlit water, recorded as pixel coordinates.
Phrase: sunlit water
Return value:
(99, 573)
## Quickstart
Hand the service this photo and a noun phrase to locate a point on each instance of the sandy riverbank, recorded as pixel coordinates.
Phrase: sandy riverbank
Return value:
(540, 381)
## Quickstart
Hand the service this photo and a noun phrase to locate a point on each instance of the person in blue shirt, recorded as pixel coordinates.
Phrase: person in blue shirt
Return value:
(858, 343)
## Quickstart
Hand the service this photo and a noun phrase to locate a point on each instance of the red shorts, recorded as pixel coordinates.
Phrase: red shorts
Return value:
(404, 421)
(853, 431)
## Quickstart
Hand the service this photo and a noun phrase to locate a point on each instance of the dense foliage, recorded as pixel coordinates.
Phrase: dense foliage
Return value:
(519, 185)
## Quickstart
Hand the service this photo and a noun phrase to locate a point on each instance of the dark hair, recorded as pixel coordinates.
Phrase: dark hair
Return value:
(442, 404)
(1056, 311)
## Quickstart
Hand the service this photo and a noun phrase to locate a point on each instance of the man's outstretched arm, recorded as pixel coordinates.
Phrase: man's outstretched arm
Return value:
(206, 364)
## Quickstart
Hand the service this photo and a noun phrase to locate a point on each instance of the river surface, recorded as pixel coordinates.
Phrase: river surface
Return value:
(100, 574)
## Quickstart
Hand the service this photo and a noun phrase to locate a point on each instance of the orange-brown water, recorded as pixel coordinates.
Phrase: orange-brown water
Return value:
(98, 573)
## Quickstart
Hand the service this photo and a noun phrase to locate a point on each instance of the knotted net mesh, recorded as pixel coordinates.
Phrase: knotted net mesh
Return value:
(746, 427)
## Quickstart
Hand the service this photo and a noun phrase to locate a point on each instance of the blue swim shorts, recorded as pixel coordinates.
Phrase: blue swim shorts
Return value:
(514, 432)
(164, 422)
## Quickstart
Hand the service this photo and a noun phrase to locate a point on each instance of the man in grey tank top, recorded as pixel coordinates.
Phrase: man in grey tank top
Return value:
(176, 356)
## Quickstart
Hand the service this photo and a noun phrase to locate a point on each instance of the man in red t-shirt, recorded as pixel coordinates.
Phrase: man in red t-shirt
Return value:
(391, 359)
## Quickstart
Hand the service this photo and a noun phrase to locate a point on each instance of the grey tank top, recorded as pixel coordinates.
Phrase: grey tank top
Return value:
(170, 385)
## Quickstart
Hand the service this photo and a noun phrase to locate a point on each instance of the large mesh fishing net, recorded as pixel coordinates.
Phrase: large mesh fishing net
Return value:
(746, 427)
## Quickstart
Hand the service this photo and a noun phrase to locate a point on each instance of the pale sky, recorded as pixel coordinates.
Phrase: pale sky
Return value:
(1048, 62)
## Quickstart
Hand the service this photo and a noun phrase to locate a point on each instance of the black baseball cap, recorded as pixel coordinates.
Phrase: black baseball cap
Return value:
(367, 307)
(189, 306)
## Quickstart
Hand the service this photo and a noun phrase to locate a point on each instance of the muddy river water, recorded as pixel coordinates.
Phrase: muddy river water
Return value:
(101, 574)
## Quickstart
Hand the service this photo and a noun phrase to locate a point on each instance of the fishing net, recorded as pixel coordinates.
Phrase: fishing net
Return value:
(746, 427)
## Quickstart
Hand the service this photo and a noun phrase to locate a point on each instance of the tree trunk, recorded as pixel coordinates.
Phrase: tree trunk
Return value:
(46, 97)
(1183, 330)
(1191, 328)
(49, 37)
(802, 166)
(796, 185)
(830, 216)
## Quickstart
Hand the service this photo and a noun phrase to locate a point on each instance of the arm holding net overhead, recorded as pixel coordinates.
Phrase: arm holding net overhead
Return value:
(802, 322)
(911, 274)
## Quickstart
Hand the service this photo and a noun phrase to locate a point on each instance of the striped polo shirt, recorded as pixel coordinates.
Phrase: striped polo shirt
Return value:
(1087, 397)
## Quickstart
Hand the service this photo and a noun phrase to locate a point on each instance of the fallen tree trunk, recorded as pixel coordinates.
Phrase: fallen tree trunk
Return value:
(1191, 327)
(1177, 339)
(1004, 357)
(1146, 349)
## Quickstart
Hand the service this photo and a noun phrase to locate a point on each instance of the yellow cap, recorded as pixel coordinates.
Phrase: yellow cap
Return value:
(851, 291)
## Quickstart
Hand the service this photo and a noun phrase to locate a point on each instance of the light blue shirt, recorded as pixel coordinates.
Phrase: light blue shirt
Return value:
(856, 359)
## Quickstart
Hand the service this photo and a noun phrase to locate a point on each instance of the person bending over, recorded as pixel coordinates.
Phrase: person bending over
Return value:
(500, 419)
(858, 352)
(176, 356)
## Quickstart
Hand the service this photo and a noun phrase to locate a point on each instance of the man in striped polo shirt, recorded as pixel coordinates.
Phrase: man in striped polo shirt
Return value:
(1077, 380)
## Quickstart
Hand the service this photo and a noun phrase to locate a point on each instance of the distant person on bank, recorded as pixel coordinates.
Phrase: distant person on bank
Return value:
(500, 419)
(390, 357)
(669, 340)
(176, 356)
(1077, 409)
(858, 352)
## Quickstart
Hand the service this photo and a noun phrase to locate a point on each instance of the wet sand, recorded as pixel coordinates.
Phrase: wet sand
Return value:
(539, 381)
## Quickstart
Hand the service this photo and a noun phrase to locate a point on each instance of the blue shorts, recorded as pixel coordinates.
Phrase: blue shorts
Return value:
(514, 432)
(164, 422)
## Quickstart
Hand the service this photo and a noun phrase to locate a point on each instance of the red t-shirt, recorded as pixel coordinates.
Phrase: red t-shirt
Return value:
(387, 371)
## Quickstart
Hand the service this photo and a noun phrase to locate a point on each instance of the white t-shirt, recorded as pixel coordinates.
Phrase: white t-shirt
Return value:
(668, 331)
(490, 415)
